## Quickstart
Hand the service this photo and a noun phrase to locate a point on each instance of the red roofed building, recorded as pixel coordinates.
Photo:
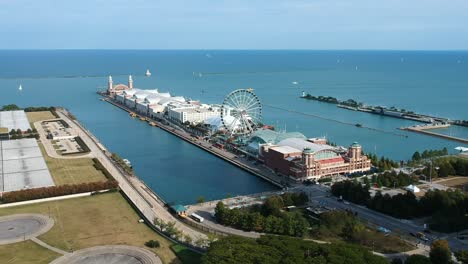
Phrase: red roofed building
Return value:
(303, 159)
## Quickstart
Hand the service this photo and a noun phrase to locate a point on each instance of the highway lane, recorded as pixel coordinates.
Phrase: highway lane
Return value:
(320, 194)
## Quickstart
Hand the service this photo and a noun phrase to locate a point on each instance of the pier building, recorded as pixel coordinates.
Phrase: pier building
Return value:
(292, 154)
(114, 90)
(193, 114)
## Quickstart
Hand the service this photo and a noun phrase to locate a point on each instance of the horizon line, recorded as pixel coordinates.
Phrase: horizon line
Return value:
(221, 49)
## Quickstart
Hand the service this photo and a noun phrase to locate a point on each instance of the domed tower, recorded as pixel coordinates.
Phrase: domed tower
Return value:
(130, 82)
(110, 84)
(355, 151)
(307, 157)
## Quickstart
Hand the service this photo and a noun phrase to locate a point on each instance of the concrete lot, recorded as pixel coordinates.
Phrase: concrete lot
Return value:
(110, 255)
(19, 227)
(22, 166)
(64, 139)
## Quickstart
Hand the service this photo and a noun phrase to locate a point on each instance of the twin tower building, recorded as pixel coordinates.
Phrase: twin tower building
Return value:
(119, 88)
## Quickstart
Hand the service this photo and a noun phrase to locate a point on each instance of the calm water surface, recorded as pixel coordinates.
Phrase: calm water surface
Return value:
(426, 82)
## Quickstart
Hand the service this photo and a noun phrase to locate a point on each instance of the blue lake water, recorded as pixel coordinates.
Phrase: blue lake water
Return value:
(425, 82)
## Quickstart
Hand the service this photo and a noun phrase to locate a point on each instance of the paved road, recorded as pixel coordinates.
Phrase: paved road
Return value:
(320, 194)
(110, 255)
(145, 201)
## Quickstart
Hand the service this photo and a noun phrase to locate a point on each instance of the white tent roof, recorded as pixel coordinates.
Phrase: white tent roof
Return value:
(412, 188)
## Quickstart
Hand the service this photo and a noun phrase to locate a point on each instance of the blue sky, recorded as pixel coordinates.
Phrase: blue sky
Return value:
(224, 24)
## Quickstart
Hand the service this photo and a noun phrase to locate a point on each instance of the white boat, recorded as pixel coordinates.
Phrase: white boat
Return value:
(148, 73)
(127, 162)
(20, 88)
(294, 82)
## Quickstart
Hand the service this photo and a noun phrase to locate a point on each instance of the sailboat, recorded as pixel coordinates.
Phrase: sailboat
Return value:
(148, 73)
(20, 88)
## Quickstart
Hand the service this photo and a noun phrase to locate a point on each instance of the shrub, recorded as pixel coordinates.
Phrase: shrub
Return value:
(152, 244)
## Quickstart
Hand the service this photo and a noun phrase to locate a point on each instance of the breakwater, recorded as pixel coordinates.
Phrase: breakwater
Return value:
(430, 133)
(353, 105)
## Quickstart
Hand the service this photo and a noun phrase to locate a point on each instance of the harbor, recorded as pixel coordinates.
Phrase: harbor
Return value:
(234, 131)
(208, 147)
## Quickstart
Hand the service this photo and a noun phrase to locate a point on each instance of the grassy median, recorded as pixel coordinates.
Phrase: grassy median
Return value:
(72, 171)
(26, 252)
(39, 116)
(105, 219)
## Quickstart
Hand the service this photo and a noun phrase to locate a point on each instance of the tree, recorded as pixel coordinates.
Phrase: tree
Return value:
(416, 156)
(273, 206)
(418, 259)
(10, 107)
(172, 231)
(462, 256)
(440, 252)
(200, 199)
(159, 223)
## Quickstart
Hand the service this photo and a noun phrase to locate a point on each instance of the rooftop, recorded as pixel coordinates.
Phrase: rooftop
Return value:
(22, 166)
(270, 136)
(286, 149)
(14, 120)
(301, 144)
(179, 208)
(192, 110)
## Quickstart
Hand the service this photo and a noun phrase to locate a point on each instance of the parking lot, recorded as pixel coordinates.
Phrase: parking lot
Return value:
(62, 137)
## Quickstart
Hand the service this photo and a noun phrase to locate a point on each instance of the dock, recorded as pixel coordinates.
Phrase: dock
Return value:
(423, 130)
(256, 170)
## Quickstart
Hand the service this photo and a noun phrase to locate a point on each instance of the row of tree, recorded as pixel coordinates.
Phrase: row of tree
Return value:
(448, 210)
(280, 249)
(427, 154)
(391, 179)
(269, 217)
(53, 191)
(18, 133)
(383, 163)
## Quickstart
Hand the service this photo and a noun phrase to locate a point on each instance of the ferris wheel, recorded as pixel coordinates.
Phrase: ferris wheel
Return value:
(241, 112)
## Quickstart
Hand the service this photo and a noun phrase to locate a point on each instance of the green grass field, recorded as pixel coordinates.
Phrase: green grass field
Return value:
(26, 252)
(72, 171)
(105, 219)
(39, 116)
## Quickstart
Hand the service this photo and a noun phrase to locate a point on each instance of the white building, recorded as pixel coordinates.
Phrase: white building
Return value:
(193, 114)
